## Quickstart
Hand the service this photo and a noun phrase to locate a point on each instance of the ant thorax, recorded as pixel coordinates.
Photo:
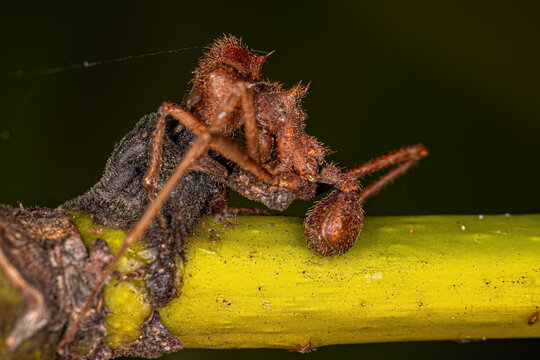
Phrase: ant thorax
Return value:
(280, 115)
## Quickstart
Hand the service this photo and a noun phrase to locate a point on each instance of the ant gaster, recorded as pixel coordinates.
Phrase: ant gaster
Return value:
(280, 163)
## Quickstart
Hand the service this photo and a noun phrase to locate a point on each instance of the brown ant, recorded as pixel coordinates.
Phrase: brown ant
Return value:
(280, 163)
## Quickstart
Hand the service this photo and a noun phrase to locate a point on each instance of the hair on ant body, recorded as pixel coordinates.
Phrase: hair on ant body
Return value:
(177, 165)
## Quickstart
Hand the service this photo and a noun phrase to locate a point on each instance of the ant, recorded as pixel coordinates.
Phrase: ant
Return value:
(192, 146)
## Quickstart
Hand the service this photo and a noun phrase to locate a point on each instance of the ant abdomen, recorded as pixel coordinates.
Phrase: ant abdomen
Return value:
(333, 225)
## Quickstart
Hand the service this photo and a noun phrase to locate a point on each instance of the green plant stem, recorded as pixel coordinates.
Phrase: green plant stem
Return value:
(252, 283)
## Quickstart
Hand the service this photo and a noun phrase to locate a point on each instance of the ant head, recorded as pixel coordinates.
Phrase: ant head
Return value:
(231, 51)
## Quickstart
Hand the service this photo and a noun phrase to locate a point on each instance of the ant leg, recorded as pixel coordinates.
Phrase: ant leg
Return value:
(404, 158)
(406, 154)
(386, 179)
(151, 178)
(156, 148)
(332, 177)
(251, 129)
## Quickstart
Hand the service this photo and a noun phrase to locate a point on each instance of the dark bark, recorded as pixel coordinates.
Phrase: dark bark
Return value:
(46, 277)
(43, 256)
(119, 199)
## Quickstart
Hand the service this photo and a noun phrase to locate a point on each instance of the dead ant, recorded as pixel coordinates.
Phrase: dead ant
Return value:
(280, 163)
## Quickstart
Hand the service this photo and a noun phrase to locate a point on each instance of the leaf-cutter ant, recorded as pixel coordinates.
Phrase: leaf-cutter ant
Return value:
(176, 166)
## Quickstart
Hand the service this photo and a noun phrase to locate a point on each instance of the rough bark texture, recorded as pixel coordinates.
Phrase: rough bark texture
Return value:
(44, 257)
(46, 276)
(154, 340)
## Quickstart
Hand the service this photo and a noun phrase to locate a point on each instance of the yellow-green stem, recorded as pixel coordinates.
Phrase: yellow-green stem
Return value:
(253, 283)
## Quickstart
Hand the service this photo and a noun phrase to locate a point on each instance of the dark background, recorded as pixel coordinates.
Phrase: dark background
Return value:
(463, 78)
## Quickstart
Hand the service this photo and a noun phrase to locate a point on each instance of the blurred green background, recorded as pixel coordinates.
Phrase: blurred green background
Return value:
(461, 77)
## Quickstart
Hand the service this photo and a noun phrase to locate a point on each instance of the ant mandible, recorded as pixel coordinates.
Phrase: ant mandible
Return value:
(280, 163)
